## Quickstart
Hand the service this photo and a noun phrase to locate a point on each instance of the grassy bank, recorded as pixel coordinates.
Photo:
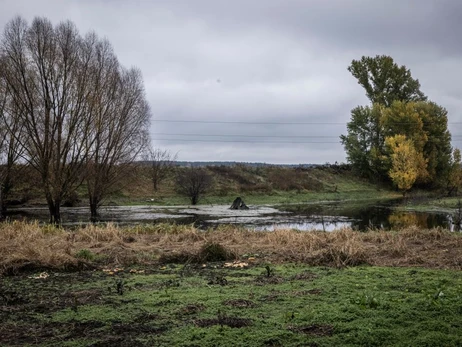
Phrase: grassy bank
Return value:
(257, 185)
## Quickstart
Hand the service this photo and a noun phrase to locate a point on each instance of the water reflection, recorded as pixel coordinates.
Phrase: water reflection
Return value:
(362, 217)
(326, 216)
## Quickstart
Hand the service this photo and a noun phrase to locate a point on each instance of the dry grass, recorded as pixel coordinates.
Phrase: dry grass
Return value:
(24, 245)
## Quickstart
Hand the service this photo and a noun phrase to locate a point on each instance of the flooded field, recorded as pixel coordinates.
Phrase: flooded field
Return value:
(315, 216)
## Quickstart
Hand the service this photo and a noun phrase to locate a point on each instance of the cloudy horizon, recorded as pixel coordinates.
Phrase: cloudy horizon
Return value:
(265, 80)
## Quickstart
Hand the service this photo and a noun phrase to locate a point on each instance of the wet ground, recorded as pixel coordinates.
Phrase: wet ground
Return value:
(327, 216)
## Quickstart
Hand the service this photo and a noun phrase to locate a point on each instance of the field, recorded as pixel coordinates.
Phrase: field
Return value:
(170, 285)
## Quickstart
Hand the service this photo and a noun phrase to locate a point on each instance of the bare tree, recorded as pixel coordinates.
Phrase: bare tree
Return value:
(193, 182)
(119, 131)
(162, 164)
(9, 149)
(48, 72)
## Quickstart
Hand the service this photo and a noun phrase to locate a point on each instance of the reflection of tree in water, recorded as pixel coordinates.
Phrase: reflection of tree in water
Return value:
(399, 220)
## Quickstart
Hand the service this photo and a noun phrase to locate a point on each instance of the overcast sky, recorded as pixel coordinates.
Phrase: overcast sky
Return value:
(258, 67)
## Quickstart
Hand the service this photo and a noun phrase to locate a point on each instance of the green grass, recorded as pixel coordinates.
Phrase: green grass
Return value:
(295, 306)
(431, 204)
(274, 198)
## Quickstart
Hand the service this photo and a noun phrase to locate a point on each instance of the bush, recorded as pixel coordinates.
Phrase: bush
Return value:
(215, 252)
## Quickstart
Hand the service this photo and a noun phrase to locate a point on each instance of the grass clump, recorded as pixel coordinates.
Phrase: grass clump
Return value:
(213, 251)
(85, 254)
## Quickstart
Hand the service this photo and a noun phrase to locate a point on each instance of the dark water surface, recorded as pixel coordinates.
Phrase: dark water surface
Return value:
(359, 215)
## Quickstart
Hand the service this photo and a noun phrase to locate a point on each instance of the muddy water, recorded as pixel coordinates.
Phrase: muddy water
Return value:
(320, 216)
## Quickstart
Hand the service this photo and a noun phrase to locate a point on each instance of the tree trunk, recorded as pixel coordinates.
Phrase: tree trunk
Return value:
(94, 206)
(2, 205)
(155, 184)
(194, 199)
(5, 188)
(54, 206)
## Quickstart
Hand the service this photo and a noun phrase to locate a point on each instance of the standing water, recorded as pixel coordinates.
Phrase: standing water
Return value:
(357, 215)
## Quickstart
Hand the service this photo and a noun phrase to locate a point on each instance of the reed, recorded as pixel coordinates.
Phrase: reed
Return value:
(31, 245)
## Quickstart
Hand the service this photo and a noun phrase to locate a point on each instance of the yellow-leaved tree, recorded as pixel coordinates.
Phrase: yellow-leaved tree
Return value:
(405, 162)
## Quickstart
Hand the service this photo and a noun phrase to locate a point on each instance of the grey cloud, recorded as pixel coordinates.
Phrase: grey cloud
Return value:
(266, 61)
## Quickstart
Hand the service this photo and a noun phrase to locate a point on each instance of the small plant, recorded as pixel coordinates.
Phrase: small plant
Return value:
(269, 271)
(75, 304)
(366, 301)
(86, 254)
(120, 286)
(218, 279)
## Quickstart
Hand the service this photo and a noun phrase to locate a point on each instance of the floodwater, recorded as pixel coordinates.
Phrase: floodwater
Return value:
(327, 216)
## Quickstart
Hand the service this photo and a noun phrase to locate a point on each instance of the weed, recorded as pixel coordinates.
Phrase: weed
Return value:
(366, 301)
(85, 254)
(120, 286)
(269, 271)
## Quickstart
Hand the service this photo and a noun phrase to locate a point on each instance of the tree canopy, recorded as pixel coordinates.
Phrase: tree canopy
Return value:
(385, 81)
(79, 112)
(398, 107)
(405, 162)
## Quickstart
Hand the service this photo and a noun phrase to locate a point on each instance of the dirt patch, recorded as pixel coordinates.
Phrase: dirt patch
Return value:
(273, 296)
(263, 280)
(218, 279)
(192, 309)
(241, 303)
(305, 276)
(232, 322)
(318, 330)
(135, 328)
(35, 333)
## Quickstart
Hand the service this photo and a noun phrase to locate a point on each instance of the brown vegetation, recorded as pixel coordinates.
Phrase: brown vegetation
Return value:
(24, 246)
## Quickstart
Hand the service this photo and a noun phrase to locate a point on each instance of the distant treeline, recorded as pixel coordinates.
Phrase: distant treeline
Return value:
(235, 163)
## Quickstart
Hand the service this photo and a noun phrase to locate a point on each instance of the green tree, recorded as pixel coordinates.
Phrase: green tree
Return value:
(398, 108)
(404, 162)
(385, 81)
(364, 143)
(454, 181)
(437, 150)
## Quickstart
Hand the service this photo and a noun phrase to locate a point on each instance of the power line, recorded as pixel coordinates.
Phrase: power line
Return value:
(268, 136)
(259, 142)
(269, 123)
(239, 122)
(243, 141)
(229, 135)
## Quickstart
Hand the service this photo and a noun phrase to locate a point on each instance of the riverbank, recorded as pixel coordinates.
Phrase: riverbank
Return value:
(176, 285)
(30, 246)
